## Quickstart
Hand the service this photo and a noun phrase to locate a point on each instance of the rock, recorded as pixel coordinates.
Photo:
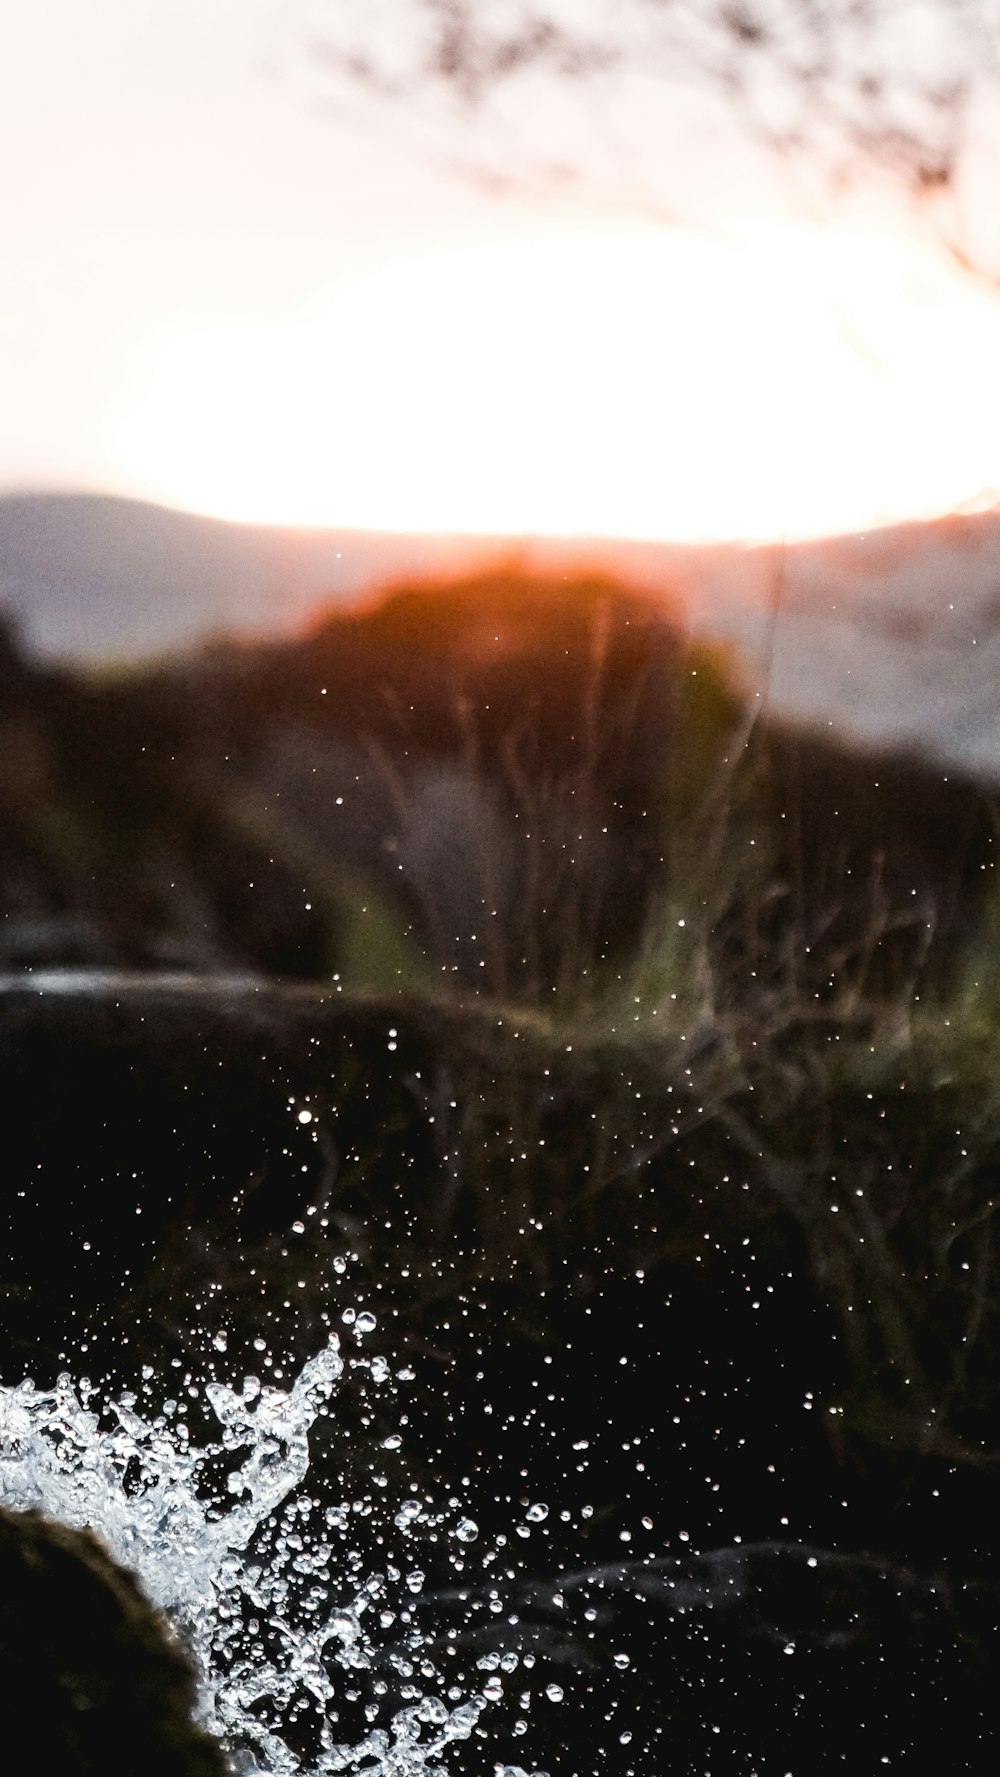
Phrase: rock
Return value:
(89, 1671)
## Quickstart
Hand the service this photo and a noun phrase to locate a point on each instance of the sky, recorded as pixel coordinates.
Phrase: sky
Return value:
(237, 286)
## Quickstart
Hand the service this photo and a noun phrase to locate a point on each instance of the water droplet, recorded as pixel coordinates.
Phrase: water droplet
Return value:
(537, 1514)
(365, 1323)
(233, 1571)
(554, 1692)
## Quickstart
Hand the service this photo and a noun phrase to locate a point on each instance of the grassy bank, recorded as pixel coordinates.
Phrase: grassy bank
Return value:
(631, 1060)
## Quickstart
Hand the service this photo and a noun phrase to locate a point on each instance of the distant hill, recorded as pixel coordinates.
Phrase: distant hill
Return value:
(93, 578)
(891, 640)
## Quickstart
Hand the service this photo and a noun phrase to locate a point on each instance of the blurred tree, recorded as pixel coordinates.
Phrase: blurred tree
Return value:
(896, 89)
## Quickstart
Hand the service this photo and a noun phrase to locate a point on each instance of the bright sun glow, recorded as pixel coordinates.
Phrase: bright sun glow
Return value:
(776, 380)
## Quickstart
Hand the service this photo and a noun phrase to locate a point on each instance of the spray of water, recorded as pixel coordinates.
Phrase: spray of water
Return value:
(230, 1542)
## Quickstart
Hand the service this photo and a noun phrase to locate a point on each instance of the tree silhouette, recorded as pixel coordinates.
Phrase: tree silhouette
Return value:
(887, 88)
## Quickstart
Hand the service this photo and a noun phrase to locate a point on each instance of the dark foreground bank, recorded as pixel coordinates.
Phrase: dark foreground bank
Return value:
(724, 1304)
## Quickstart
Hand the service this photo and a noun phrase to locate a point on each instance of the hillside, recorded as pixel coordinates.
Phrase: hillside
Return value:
(95, 579)
(522, 781)
(890, 641)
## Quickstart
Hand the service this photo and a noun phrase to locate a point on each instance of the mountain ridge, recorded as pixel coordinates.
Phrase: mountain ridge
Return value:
(100, 577)
(890, 639)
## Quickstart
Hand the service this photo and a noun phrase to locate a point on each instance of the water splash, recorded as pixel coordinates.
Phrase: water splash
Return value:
(226, 1540)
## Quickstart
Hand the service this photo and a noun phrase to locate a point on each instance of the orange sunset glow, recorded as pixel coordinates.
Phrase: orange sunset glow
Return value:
(770, 379)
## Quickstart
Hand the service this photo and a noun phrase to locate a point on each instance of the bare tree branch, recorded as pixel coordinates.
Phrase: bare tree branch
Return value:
(860, 85)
